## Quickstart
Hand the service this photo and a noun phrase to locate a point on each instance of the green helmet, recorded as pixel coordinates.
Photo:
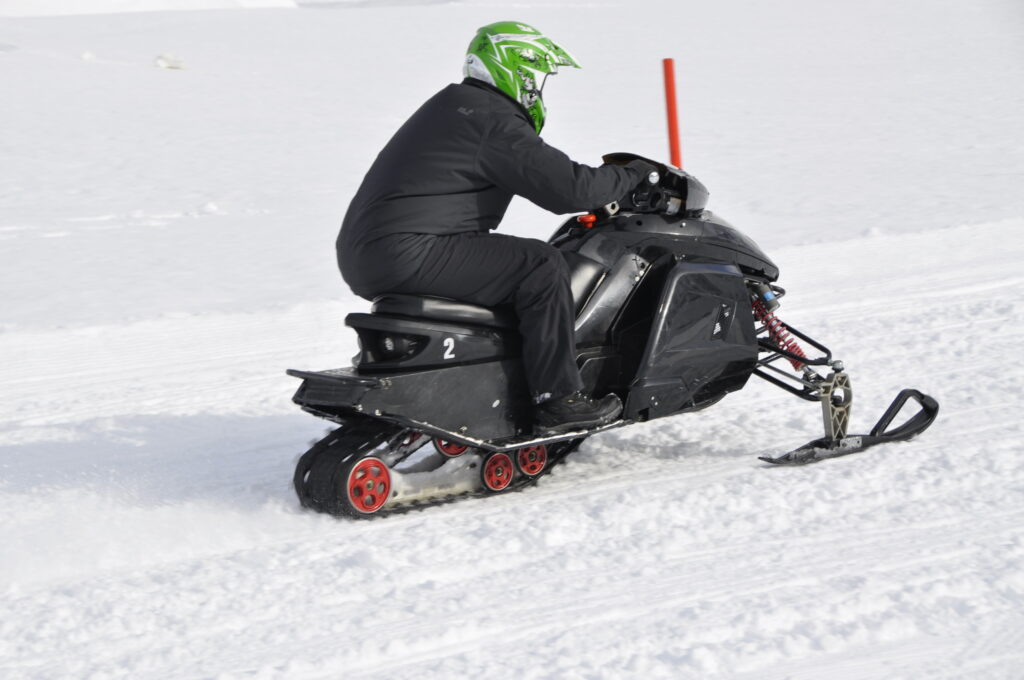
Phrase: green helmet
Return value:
(516, 59)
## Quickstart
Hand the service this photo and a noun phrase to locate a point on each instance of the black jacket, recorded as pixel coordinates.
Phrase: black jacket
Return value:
(456, 163)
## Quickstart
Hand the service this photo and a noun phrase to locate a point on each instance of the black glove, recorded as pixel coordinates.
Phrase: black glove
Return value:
(642, 196)
(647, 171)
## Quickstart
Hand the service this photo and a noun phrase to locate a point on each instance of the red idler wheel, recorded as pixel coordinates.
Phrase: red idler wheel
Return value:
(497, 472)
(532, 460)
(448, 448)
(369, 485)
(409, 442)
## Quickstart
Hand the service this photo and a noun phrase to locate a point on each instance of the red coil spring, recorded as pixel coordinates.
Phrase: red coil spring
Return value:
(778, 332)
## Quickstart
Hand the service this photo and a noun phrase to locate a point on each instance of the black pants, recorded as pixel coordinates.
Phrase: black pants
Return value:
(488, 270)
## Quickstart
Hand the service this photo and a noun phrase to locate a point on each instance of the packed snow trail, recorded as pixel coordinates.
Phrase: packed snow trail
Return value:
(166, 252)
(164, 540)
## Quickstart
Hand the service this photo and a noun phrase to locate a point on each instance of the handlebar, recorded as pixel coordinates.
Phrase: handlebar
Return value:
(672, 191)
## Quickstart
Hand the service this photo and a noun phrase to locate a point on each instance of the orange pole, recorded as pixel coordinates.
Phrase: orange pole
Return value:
(673, 115)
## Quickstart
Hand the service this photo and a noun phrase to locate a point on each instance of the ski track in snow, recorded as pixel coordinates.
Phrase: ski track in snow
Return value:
(165, 253)
(663, 550)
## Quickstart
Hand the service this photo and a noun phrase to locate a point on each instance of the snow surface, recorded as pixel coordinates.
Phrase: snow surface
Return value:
(44, 8)
(170, 188)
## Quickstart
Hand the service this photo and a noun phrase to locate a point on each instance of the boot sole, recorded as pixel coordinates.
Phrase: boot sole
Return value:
(562, 428)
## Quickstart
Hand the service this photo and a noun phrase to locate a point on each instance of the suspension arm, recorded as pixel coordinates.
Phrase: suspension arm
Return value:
(826, 360)
(807, 392)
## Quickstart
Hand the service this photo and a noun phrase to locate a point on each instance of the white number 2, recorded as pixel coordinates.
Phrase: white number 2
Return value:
(449, 348)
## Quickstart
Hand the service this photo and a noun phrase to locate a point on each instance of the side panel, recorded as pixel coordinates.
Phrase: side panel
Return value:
(626, 268)
(701, 343)
(493, 402)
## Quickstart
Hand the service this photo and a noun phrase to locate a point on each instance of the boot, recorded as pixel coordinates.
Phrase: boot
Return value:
(575, 412)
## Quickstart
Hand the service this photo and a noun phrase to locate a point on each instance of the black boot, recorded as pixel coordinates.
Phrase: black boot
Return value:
(575, 412)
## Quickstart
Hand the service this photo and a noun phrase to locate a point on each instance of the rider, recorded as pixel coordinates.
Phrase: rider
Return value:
(420, 222)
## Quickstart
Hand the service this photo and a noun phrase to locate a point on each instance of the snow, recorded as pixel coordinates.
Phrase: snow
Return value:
(45, 8)
(166, 251)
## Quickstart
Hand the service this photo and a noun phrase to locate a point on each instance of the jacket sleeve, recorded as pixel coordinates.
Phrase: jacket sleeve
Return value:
(515, 158)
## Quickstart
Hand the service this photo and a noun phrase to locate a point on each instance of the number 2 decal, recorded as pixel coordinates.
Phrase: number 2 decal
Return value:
(449, 348)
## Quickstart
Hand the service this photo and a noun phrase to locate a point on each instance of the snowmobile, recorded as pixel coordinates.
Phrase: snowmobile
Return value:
(675, 309)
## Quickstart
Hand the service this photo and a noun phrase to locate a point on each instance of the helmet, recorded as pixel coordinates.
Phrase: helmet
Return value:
(516, 59)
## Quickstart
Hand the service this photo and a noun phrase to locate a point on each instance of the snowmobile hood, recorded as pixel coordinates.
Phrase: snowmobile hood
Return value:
(713, 229)
(707, 238)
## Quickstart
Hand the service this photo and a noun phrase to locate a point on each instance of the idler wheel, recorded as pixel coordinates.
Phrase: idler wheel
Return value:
(369, 485)
(532, 460)
(448, 448)
(410, 438)
(497, 472)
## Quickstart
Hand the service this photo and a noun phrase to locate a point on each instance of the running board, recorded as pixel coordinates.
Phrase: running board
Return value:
(513, 444)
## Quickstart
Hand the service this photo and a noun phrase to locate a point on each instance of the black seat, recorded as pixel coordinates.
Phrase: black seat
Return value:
(444, 309)
(585, 275)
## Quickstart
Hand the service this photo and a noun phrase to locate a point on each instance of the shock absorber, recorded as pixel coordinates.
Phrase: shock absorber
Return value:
(765, 304)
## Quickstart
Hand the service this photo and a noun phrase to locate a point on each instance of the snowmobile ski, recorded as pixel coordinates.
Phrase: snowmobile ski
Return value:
(833, 447)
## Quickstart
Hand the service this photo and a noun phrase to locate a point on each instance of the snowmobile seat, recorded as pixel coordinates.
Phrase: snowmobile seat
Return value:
(584, 276)
(443, 309)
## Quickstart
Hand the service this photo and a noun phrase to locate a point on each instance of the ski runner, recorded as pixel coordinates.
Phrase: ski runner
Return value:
(420, 222)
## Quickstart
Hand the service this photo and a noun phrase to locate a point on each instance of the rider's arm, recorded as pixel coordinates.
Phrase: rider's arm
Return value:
(515, 158)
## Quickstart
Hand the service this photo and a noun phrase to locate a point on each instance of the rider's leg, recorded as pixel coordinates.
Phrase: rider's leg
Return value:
(495, 269)
(490, 270)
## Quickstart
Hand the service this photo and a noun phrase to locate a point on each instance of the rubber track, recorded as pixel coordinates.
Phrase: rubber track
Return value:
(319, 471)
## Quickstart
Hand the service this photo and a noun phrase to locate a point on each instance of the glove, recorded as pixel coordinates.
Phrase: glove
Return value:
(639, 197)
(647, 171)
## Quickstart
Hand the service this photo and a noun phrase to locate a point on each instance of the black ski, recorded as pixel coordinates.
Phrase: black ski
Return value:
(821, 449)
